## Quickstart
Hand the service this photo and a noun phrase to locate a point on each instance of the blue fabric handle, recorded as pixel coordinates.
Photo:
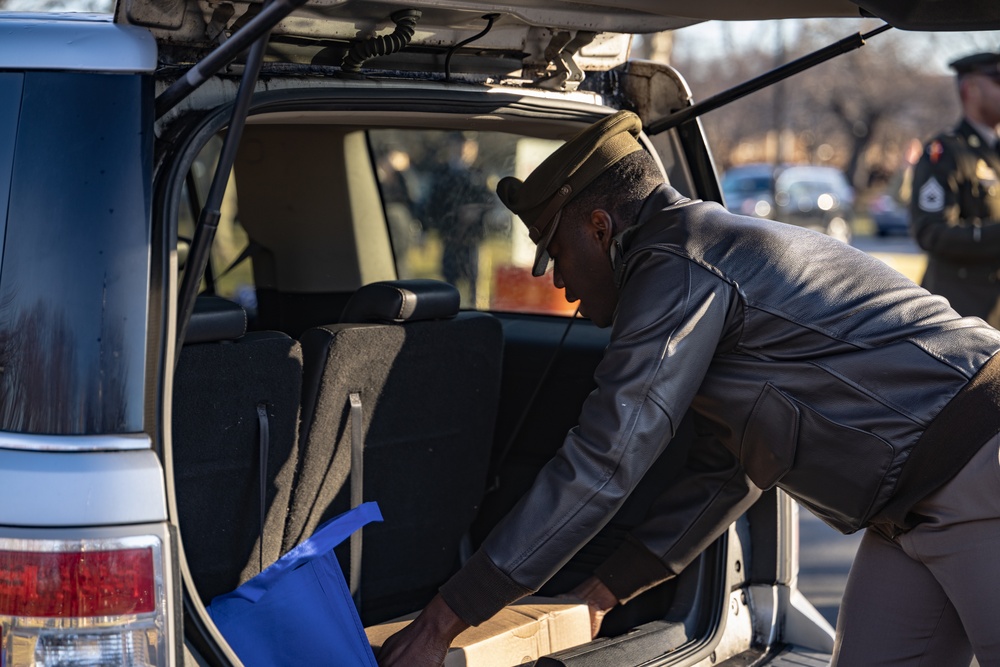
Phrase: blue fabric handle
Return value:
(299, 611)
(326, 537)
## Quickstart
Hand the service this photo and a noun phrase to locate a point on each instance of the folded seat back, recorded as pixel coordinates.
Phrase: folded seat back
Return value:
(235, 405)
(399, 402)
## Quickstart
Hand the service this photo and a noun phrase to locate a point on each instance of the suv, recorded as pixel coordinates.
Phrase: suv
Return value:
(190, 383)
(816, 197)
(749, 190)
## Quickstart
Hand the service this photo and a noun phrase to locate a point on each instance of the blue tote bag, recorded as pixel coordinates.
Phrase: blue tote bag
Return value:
(298, 611)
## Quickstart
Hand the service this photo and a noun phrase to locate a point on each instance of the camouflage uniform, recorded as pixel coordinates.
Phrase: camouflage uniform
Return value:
(955, 216)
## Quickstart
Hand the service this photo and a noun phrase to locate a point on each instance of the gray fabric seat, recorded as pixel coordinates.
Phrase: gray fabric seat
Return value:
(428, 381)
(233, 391)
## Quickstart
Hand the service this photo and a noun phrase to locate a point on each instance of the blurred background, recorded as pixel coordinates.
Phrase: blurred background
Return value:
(861, 117)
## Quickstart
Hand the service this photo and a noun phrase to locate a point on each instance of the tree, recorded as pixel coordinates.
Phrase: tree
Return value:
(858, 111)
(874, 100)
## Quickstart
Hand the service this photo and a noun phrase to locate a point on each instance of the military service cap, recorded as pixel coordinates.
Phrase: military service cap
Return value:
(981, 63)
(540, 198)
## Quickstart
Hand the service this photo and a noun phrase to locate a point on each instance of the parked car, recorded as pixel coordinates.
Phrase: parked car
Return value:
(891, 218)
(816, 197)
(187, 372)
(749, 190)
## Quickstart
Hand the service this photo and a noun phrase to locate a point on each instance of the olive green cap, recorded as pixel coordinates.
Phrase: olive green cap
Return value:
(982, 63)
(540, 198)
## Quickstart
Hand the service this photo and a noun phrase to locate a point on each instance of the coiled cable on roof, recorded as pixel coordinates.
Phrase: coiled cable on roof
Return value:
(405, 20)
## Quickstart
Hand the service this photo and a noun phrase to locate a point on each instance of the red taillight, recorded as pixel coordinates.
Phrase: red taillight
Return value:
(77, 584)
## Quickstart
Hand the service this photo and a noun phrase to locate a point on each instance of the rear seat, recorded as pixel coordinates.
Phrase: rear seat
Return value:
(426, 380)
(233, 392)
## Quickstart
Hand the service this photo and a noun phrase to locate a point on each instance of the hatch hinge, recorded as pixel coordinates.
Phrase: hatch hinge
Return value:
(215, 29)
(559, 54)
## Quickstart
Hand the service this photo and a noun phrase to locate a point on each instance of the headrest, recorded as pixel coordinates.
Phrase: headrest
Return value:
(215, 319)
(402, 301)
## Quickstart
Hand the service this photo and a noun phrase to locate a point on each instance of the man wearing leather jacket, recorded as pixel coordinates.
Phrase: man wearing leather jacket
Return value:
(806, 364)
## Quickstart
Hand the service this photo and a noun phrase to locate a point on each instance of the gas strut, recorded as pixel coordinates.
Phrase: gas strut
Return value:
(208, 219)
(849, 43)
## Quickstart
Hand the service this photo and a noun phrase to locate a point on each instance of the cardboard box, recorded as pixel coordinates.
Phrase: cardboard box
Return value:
(520, 633)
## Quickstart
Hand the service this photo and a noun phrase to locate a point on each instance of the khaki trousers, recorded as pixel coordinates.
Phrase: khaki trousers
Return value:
(931, 597)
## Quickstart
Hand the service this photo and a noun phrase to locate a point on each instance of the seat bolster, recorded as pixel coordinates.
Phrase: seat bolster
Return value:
(316, 343)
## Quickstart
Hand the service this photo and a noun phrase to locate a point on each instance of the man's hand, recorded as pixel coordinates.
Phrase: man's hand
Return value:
(600, 600)
(425, 641)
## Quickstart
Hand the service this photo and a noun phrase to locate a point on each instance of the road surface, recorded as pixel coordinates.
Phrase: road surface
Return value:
(825, 557)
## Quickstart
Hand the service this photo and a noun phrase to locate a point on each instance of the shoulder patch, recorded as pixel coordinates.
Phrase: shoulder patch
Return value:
(935, 151)
(931, 196)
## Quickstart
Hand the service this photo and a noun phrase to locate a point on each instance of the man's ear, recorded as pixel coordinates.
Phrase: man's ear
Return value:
(602, 227)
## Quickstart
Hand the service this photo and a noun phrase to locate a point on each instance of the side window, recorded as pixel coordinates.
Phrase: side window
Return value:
(446, 222)
(230, 272)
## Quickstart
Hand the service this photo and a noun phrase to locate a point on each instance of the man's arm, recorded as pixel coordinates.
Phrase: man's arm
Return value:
(671, 316)
(670, 319)
(425, 641)
(711, 493)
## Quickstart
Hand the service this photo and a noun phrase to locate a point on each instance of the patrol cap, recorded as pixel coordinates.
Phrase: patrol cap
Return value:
(540, 198)
(981, 63)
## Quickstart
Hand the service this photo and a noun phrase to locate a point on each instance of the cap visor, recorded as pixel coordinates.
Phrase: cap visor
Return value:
(541, 264)
(542, 249)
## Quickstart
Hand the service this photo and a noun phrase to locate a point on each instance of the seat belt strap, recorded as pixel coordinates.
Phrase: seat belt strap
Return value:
(264, 431)
(496, 463)
(357, 492)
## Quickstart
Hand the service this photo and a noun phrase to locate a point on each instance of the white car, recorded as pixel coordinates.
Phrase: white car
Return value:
(817, 197)
(182, 367)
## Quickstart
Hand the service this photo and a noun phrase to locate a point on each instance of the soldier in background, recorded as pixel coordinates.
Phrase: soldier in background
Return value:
(457, 200)
(955, 207)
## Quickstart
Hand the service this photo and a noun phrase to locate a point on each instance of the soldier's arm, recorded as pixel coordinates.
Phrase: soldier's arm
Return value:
(711, 493)
(936, 215)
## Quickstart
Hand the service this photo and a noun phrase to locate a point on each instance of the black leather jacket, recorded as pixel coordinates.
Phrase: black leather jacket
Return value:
(815, 365)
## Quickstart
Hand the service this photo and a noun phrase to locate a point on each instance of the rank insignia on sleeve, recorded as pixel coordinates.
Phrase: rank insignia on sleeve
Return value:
(935, 151)
(931, 196)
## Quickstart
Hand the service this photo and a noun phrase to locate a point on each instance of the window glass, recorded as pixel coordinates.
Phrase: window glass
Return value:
(75, 280)
(10, 108)
(447, 223)
(230, 272)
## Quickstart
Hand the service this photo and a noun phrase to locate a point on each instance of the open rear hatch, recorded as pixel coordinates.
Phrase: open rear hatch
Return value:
(322, 31)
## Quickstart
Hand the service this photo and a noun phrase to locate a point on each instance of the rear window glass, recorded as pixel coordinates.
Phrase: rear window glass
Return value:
(230, 270)
(446, 222)
(10, 107)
